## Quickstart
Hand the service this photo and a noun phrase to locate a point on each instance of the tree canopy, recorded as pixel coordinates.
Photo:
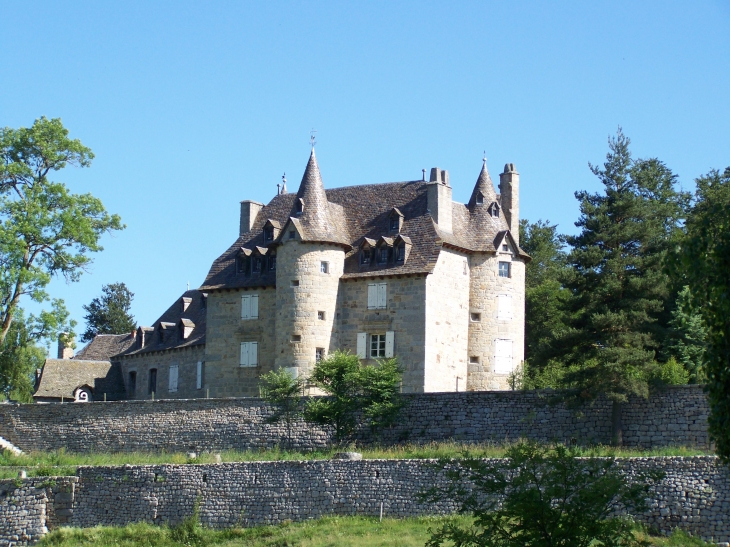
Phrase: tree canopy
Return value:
(109, 314)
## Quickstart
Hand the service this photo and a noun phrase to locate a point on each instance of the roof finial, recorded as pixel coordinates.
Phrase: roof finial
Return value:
(311, 138)
(484, 158)
(283, 184)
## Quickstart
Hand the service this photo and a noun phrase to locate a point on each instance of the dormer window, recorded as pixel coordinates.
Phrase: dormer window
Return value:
(400, 253)
(365, 257)
(299, 207)
(256, 265)
(383, 255)
(494, 210)
(272, 263)
(480, 198)
(242, 264)
(269, 233)
(394, 222)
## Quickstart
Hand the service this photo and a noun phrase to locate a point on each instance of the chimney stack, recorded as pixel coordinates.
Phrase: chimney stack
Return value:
(249, 211)
(65, 346)
(509, 188)
(439, 199)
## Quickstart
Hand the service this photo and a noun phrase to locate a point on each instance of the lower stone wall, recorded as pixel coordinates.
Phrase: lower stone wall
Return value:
(673, 416)
(694, 496)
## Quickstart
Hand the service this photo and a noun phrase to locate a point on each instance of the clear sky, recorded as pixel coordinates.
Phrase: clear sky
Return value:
(191, 107)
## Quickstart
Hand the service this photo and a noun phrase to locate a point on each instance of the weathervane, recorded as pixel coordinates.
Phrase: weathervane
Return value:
(311, 138)
(484, 158)
(283, 184)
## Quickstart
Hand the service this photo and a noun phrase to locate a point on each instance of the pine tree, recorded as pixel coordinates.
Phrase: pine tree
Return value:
(110, 313)
(617, 282)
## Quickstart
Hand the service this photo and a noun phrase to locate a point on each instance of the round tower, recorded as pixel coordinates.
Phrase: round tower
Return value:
(310, 261)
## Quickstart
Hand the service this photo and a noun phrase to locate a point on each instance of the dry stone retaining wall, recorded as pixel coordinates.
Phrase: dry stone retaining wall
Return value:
(674, 416)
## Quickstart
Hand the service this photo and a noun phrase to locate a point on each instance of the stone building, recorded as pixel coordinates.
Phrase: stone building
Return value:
(394, 269)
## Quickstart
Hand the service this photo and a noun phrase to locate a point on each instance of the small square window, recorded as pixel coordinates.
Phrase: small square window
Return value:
(291, 234)
(377, 345)
(365, 256)
(476, 317)
(505, 248)
(320, 315)
(295, 283)
(474, 360)
(324, 267)
(318, 354)
(504, 269)
(296, 337)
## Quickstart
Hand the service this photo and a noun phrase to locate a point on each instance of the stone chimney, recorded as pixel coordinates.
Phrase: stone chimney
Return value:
(249, 211)
(65, 346)
(509, 188)
(439, 199)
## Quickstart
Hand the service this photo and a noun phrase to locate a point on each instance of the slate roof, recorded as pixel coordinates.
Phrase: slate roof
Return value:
(360, 213)
(103, 346)
(172, 322)
(61, 377)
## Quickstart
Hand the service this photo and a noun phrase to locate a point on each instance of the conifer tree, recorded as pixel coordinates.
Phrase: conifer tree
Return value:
(617, 279)
(110, 313)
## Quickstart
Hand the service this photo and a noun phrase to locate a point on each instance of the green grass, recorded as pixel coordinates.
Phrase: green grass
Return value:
(324, 532)
(65, 463)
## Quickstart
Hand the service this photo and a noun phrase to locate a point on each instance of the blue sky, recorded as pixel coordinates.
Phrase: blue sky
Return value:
(191, 107)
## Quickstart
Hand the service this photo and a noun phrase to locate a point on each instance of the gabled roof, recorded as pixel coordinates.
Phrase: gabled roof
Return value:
(103, 346)
(61, 377)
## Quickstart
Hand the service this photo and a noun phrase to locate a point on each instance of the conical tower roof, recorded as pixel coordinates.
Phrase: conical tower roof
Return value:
(484, 186)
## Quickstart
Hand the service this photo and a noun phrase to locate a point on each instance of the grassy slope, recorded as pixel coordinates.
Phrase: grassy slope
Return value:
(325, 532)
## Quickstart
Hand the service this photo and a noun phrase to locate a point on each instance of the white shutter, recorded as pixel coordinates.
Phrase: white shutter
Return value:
(503, 357)
(389, 339)
(253, 354)
(199, 376)
(504, 306)
(254, 306)
(172, 380)
(372, 295)
(245, 306)
(382, 295)
(244, 354)
(362, 344)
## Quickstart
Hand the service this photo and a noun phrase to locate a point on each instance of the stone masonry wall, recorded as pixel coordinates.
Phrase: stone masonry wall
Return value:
(674, 416)
(185, 358)
(694, 495)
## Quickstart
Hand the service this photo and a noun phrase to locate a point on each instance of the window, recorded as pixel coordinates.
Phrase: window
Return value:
(249, 354)
(494, 210)
(377, 295)
(474, 360)
(505, 248)
(132, 382)
(383, 255)
(504, 306)
(324, 267)
(400, 253)
(199, 375)
(291, 234)
(299, 207)
(172, 378)
(480, 198)
(503, 356)
(153, 381)
(294, 282)
(250, 306)
(504, 269)
(272, 263)
(365, 256)
(375, 346)
(269, 233)
(256, 264)
(394, 223)
(320, 315)
(476, 317)
(296, 337)
(318, 354)
(242, 264)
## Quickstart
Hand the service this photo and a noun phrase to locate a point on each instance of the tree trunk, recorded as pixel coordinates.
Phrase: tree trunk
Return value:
(617, 427)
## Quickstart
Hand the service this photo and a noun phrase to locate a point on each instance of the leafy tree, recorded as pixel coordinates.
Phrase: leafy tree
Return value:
(687, 340)
(110, 313)
(617, 279)
(284, 393)
(705, 255)
(21, 353)
(354, 391)
(44, 229)
(544, 293)
(540, 497)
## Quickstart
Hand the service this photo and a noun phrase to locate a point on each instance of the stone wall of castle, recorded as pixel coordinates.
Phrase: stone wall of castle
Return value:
(694, 494)
(674, 416)
(186, 359)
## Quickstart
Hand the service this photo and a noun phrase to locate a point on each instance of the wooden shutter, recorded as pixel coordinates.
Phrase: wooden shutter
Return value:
(503, 357)
(172, 381)
(504, 306)
(199, 376)
(382, 295)
(245, 306)
(362, 344)
(254, 306)
(253, 354)
(389, 339)
(372, 295)
(244, 354)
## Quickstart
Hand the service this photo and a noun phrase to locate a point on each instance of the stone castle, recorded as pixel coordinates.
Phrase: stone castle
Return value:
(382, 270)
